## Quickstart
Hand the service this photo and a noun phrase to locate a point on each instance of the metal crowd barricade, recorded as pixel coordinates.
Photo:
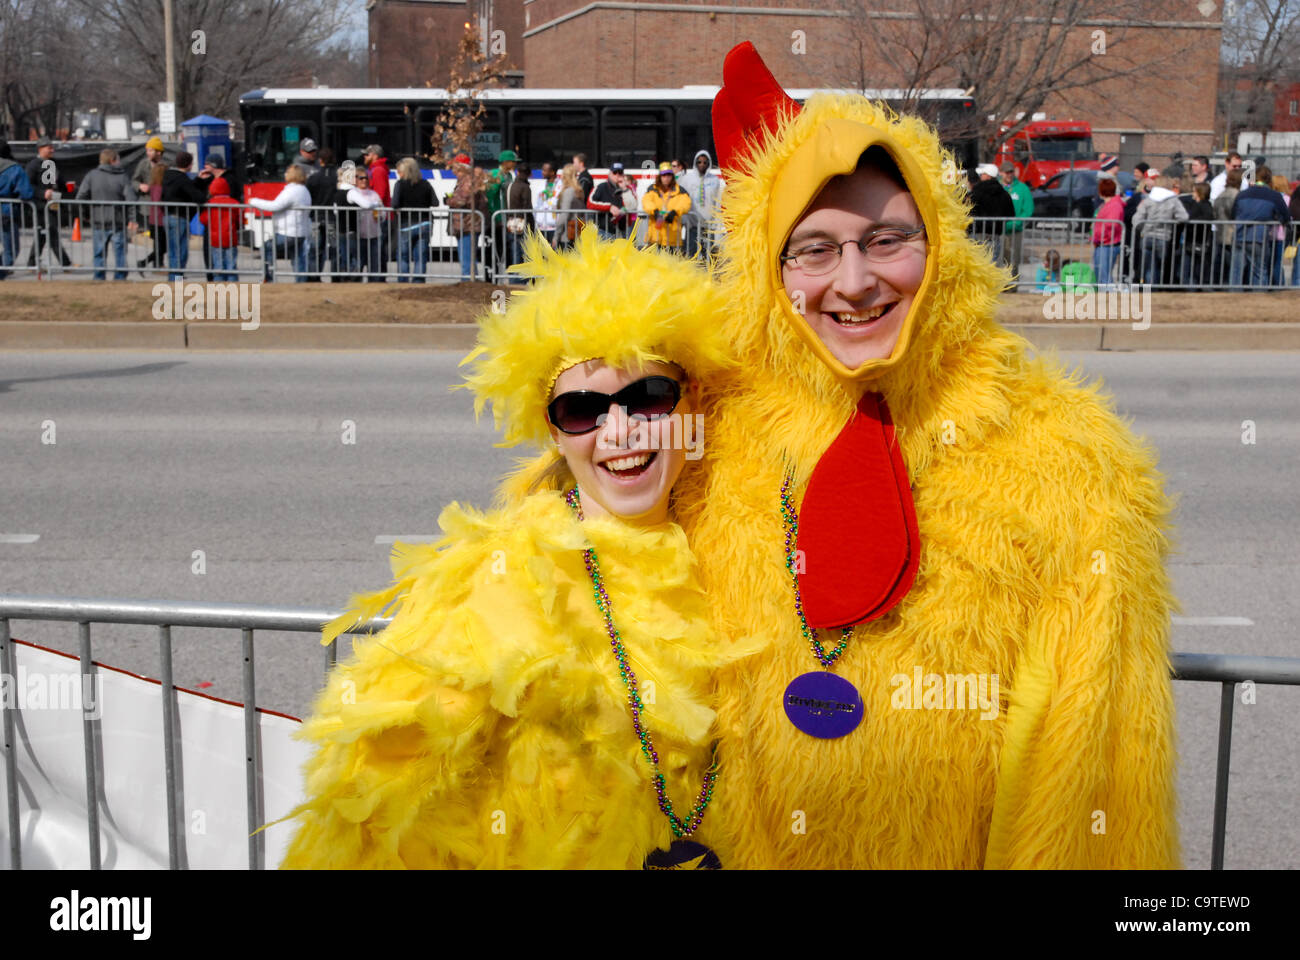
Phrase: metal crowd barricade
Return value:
(18, 219)
(427, 244)
(1178, 256)
(698, 238)
(239, 242)
(1223, 669)
(152, 238)
(351, 244)
(1038, 249)
(245, 618)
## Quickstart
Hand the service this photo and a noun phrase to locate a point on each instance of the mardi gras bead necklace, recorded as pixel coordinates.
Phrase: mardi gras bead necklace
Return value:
(791, 520)
(819, 703)
(681, 827)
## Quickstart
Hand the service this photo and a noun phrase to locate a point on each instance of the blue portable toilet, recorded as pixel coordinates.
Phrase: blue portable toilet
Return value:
(203, 135)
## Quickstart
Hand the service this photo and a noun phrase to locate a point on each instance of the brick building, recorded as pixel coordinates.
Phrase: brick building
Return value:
(1286, 107)
(1159, 95)
(413, 43)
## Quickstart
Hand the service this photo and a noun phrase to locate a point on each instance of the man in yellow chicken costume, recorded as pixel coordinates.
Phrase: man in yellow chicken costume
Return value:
(952, 551)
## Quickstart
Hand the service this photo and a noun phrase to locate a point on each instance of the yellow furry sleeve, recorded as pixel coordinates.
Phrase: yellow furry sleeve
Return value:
(1087, 768)
(487, 725)
(403, 732)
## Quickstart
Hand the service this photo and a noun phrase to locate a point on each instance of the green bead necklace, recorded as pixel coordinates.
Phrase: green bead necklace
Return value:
(791, 520)
(680, 827)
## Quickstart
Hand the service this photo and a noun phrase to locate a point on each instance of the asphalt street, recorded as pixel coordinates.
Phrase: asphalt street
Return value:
(242, 456)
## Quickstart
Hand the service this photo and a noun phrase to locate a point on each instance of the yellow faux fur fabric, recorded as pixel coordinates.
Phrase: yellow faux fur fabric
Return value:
(1044, 533)
(487, 725)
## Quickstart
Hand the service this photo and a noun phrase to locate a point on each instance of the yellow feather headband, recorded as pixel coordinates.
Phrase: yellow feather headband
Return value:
(601, 299)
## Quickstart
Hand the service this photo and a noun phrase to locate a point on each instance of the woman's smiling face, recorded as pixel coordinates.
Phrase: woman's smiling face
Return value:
(857, 309)
(627, 466)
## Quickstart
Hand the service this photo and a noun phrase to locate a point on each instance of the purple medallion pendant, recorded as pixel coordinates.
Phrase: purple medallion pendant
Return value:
(823, 705)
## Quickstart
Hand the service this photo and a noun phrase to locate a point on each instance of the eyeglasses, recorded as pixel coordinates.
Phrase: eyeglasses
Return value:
(884, 245)
(582, 411)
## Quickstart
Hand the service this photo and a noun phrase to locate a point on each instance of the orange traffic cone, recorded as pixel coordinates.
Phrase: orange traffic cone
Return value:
(76, 230)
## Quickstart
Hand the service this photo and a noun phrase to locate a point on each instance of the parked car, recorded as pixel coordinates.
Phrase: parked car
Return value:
(1073, 193)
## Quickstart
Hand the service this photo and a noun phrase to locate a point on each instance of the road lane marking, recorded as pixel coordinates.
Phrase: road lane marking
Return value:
(1214, 621)
(19, 537)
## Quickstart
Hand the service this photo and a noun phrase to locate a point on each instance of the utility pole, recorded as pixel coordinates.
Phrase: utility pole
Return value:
(171, 56)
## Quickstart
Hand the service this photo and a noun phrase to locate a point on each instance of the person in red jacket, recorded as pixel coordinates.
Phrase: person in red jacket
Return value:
(222, 226)
(378, 166)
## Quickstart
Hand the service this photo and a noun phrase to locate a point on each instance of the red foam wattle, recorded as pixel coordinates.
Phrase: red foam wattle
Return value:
(857, 524)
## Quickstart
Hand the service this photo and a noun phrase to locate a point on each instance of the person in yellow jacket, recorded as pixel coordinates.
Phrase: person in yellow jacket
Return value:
(954, 550)
(665, 203)
(541, 696)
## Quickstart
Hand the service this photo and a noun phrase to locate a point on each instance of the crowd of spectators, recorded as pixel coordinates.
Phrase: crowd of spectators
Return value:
(1173, 227)
(1188, 229)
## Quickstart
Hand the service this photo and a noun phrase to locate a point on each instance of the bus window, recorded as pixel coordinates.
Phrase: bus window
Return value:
(349, 135)
(694, 133)
(633, 137)
(542, 134)
(273, 147)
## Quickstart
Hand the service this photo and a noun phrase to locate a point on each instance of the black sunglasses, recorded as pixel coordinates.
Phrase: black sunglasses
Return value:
(581, 411)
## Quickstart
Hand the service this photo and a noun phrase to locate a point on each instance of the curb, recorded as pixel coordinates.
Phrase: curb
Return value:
(332, 336)
(88, 335)
(1202, 336)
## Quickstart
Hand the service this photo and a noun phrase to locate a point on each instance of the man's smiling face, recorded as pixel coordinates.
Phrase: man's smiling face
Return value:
(857, 309)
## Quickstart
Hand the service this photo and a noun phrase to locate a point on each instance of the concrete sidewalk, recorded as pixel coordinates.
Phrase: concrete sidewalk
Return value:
(78, 335)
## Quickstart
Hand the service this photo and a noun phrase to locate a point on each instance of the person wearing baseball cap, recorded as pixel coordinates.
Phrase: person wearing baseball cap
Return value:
(615, 203)
(1023, 202)
(43, 172)
(307, 155)
(496, 197)
(376, 166)
(991, 208)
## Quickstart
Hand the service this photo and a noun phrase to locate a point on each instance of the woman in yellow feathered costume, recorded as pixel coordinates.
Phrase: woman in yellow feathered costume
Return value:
(540, 698)
(979, 536)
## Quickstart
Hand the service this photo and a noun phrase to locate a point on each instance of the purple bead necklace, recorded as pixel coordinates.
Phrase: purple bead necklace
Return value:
(680, 827)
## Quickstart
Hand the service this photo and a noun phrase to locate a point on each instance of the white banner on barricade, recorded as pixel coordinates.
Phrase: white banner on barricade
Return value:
(47, 694)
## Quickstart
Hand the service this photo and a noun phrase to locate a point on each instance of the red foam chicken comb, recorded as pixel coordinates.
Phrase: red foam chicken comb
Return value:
(749, 103)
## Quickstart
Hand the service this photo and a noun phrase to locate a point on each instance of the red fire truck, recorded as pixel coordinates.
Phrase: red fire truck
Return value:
(1044, 148)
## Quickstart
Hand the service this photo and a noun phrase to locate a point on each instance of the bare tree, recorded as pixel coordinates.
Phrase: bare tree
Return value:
(461, 118)
(222, 47)
(41, 75)
(1261, 48)
(1015, 57)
